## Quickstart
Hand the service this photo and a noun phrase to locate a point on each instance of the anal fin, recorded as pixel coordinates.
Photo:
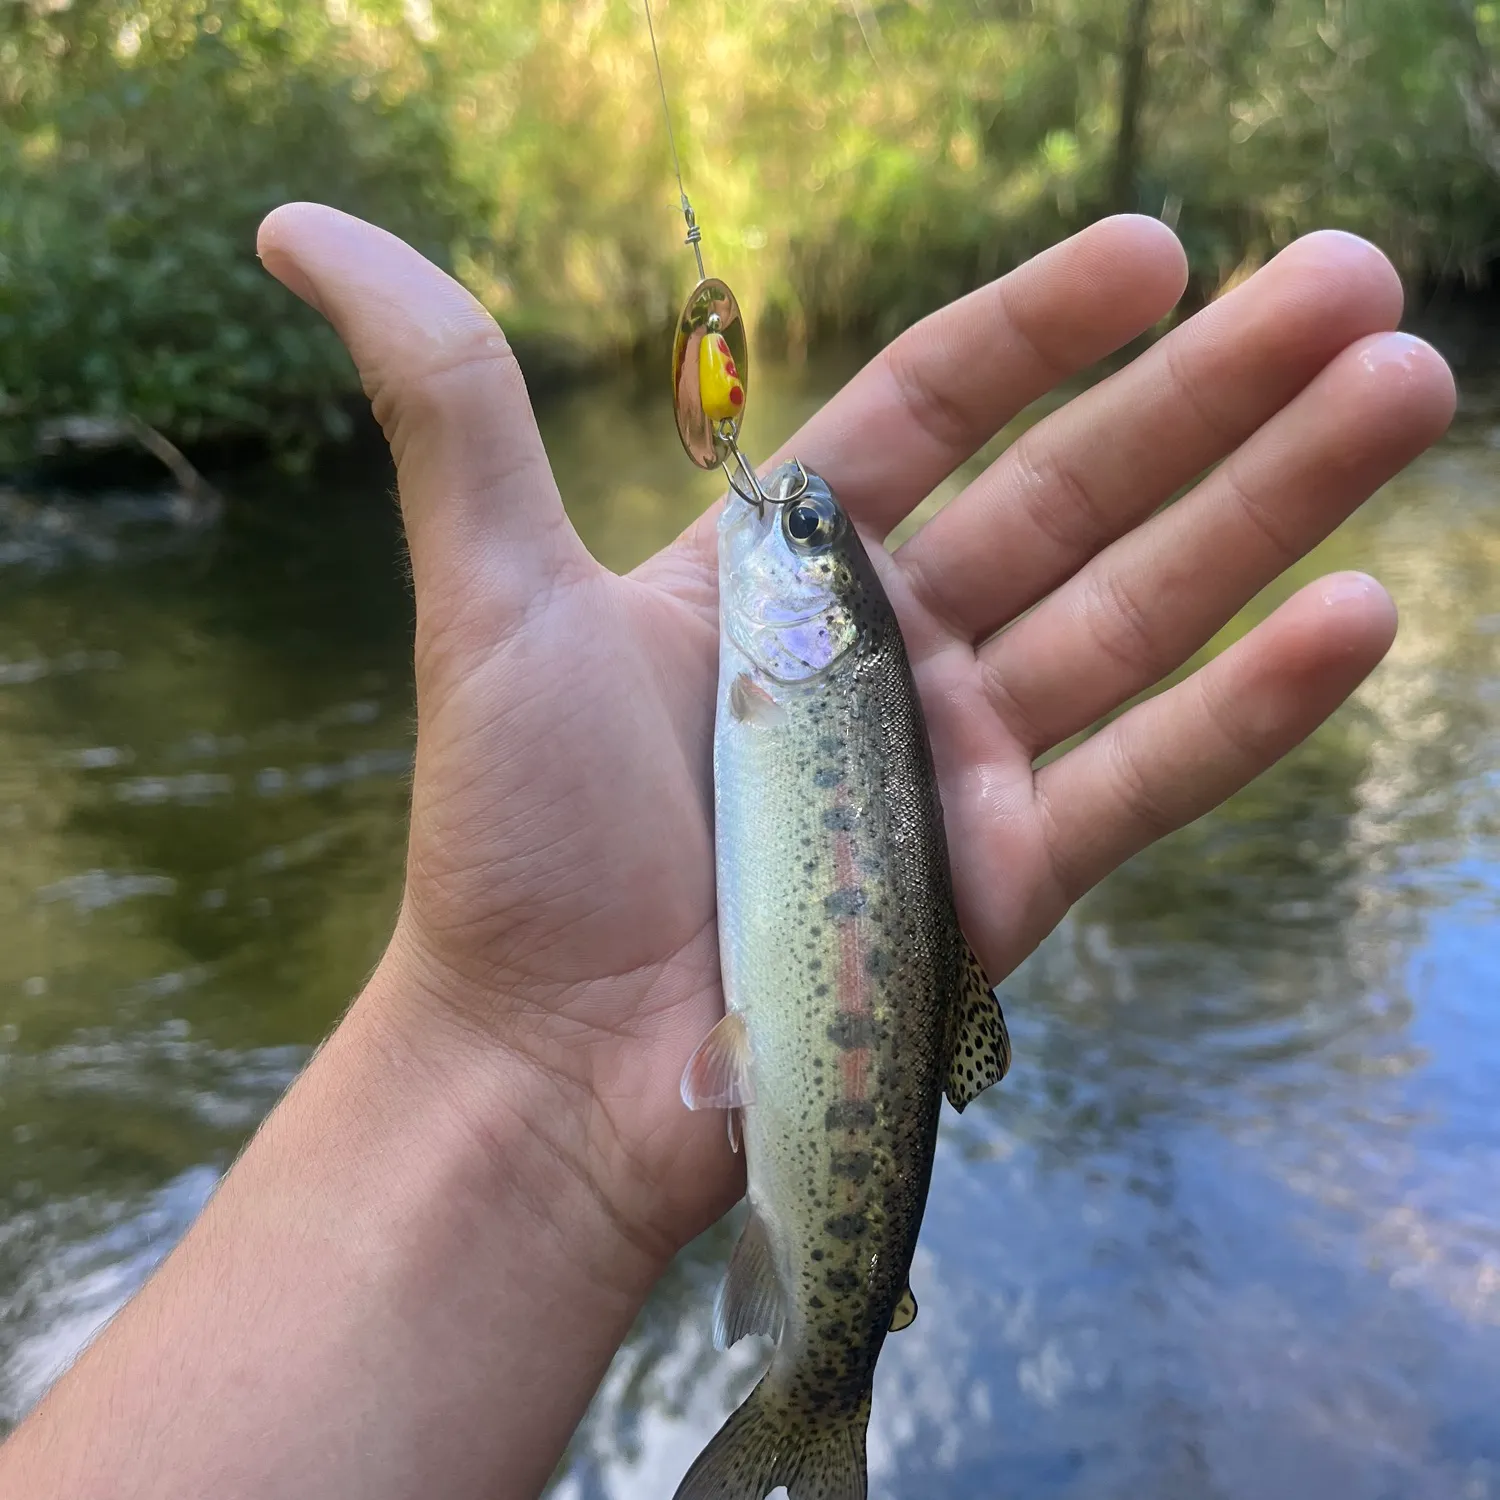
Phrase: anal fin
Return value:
(750, 1300)
(906, 1312)
(981, 1044)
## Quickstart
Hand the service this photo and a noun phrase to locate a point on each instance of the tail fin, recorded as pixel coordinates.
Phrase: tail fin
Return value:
(769, 1442)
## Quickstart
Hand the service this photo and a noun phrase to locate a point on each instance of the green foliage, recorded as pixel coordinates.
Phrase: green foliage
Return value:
(1270, 120)
(853, 162)
(144, 148)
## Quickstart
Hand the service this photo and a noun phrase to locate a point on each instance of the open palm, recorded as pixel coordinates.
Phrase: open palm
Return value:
(559, 899)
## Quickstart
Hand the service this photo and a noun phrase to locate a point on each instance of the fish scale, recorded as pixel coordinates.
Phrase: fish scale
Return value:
(850, 991)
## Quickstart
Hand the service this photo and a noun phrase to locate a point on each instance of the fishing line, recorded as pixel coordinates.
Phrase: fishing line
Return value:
(694, 234)
(710, 357)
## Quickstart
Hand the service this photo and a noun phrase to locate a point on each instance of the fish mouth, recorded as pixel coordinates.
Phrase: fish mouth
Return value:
(739, 515)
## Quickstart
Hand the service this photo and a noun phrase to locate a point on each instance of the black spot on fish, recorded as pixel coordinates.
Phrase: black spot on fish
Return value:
(851, 1029)
(839, 819)
(846, 1226)
(848, 902)
(842, 1280)
(829, 776)
(855, 1165)
(850, 1114)
(817, 1255)
(816, 1303)
(879, 963)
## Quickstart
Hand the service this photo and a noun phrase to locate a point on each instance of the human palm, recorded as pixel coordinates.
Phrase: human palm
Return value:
(559, 901)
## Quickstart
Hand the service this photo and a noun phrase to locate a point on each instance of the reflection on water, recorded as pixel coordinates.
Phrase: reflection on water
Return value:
(1229, 1231)
(203, 748)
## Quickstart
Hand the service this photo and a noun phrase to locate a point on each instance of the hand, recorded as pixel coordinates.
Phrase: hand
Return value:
(559, 899)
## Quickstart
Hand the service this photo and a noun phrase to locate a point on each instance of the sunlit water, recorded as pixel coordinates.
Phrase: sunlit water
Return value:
(1231, 1230)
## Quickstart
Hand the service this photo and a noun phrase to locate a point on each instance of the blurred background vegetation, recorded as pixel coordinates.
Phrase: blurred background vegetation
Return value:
(855, 162)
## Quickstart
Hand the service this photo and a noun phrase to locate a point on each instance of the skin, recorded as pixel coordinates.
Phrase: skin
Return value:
(414, 1277)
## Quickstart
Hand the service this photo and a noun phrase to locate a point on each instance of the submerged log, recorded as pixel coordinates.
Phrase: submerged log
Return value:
(201, 503)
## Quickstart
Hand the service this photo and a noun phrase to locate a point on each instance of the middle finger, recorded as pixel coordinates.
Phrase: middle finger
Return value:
(1091, 471)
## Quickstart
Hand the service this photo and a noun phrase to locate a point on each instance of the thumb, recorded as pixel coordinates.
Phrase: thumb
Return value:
(483, 518)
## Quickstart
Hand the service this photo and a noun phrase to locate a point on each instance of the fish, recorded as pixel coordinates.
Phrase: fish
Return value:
(853, 1002)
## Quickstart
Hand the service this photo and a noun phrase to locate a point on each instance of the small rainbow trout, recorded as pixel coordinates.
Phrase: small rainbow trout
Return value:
(853, 1002)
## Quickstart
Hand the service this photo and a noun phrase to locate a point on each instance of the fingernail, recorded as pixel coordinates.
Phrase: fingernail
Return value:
(1325, 242)
(1393, 349)
(293, 278)
(1344, 588)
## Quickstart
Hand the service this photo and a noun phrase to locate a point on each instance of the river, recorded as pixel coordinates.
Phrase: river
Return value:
(1232, 1228)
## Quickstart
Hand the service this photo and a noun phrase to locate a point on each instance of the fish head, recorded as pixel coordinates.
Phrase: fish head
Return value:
(788, 579)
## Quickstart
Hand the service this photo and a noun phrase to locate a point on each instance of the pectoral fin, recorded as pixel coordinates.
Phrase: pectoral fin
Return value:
(981, 1047)
(750, 1300)
(717, 1075)
(751, 703)
(906, 1312)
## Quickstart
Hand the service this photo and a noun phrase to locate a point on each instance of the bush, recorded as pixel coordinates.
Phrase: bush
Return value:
(129, 197)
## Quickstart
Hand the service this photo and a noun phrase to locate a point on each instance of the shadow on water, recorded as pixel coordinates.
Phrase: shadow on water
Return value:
(1229, 1231)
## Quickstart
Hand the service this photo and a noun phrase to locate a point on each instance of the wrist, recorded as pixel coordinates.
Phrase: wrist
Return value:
(506, 1132)
(399, 1277)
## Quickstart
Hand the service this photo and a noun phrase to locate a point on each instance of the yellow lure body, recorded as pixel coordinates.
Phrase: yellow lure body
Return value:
(719, 385)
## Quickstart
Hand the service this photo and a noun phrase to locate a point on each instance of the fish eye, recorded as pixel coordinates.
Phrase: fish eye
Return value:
(812, 523)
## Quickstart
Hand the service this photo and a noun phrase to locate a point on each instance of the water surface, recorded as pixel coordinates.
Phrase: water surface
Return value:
(1231, 1230)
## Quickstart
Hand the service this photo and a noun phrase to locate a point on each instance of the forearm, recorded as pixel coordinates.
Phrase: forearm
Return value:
(396, 1286)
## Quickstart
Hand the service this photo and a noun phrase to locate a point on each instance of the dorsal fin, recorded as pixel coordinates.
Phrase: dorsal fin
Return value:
(981, 1044)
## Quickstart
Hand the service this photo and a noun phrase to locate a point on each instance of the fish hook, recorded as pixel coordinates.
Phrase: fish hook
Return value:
(757, 496)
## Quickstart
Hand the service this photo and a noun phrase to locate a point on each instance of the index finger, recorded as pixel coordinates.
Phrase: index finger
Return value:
(934, 396)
